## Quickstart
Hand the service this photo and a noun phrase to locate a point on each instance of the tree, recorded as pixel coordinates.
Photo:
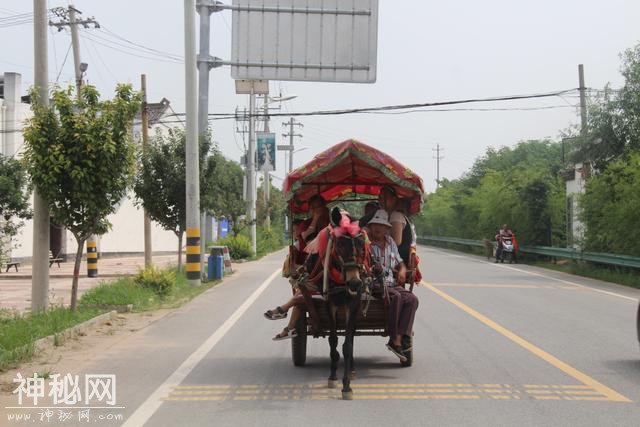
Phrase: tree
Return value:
(518, 186)
(277, 206)
(161, 181)
(14, 199)
(610, 208)
(80, 157)
(226, 198)
(614, 118)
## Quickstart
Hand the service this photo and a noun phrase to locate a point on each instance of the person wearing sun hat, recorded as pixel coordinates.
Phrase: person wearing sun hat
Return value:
(402, 303)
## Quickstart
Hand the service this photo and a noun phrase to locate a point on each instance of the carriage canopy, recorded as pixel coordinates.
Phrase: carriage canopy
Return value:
(349, 168)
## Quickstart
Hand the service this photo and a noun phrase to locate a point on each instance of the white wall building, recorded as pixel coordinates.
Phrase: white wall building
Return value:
(126, 236)
(575, 182)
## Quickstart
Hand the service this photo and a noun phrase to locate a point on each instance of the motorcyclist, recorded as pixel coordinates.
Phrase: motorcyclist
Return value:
(504, 233)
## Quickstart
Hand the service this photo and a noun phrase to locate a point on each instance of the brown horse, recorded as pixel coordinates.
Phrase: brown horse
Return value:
(343, 251)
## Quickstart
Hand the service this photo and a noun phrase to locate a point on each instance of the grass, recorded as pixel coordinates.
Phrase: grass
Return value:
(18, 332)
(126, 291)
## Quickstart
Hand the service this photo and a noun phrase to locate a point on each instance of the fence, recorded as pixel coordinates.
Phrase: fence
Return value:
(568, 253)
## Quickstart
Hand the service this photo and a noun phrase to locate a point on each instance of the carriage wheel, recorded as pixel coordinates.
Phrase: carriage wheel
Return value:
(407, 342)
(299, 343)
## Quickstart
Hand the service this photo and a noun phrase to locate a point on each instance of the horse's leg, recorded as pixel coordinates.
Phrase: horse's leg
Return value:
(347, 348)
(333, 344)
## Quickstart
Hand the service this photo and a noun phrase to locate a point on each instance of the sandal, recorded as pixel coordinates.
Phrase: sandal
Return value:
(286, 334)
(276, 314)
(397, 350)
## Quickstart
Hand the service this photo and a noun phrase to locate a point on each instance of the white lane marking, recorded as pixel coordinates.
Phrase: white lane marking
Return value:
(153, 402)
(543, 275)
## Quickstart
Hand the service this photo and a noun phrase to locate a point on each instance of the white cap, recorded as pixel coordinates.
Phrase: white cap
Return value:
(381, 217)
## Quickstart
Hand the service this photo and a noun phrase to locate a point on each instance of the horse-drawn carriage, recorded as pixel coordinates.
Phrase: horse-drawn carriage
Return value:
(336, 301)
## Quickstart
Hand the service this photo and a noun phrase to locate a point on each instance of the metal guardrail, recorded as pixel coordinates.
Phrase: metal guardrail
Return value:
(569, 253)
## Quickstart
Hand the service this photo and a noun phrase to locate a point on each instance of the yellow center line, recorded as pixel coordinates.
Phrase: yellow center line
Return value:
(298, 392)
(484, 285)
(554, 361)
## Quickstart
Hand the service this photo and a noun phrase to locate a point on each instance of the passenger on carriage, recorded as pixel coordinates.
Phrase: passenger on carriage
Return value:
(402, 229)
(305, 233)
(402, 303)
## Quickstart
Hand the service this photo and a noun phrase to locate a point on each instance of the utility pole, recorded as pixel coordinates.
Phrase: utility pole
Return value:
(204, 9)
(251, 171)
(148, 260)
(68, 18)
(40, 273)
(583, 104)
(291, 123)
(438, 157)
(266, 177)
(192, 149)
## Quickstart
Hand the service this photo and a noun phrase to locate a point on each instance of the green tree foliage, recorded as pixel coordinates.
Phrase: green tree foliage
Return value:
(611, 202)
(14, 199)
(277, 206)
(610, 208)
(81, 159)
(226, 198)
(614, 118)
(161, 181)
(518, 186)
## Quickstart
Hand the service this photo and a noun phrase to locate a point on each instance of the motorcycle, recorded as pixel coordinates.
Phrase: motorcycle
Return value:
(506, 250)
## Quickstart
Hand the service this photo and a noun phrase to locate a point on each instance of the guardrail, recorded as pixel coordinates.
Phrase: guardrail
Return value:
(569, 253)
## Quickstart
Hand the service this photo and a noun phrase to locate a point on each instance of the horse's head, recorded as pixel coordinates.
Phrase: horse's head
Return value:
(350, 251)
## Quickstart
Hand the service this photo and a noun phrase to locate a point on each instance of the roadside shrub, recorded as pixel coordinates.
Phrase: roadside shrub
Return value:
(269, 240)
(161, 282)
(239, 246)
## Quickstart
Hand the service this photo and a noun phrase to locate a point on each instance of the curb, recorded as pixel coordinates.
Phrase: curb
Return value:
(74, 330)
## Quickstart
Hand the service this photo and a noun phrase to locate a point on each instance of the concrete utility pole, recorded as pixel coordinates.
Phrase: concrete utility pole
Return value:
(75, 42)
(204, 10)
(291, 123)
(192, 149)
(251, 171)
(68, 18)
(438, 157)
(148, 259)
(266, 178)
(40, 274)
(583, 104)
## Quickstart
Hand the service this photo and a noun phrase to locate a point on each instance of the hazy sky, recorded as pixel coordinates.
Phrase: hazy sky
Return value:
(427, 51)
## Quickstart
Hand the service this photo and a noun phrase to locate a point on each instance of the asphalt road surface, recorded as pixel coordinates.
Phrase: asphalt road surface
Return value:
(494, 345)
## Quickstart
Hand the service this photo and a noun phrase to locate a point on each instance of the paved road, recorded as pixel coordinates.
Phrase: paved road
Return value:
(495, 345)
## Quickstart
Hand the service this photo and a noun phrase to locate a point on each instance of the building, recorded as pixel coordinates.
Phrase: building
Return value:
(575, 182)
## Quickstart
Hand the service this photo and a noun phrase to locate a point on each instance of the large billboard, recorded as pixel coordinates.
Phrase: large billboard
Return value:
(314, 40)
(266, 151)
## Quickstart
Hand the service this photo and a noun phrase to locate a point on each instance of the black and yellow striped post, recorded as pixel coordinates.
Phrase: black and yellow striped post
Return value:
(92, 258)
(193, 254)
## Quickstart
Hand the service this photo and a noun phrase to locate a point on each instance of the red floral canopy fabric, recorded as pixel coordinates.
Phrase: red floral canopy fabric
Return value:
(348, 168)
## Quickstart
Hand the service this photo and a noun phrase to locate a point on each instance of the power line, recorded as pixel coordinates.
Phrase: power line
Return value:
(136, 47)
(104, 64)
(141, 46)
(410, 107)
(64, 61)
(137, 55)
